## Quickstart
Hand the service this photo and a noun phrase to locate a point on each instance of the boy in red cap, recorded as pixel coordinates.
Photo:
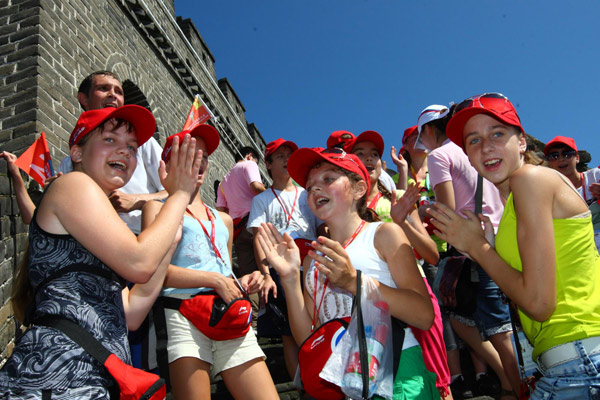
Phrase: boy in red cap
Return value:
(561, 154)
(285, 206)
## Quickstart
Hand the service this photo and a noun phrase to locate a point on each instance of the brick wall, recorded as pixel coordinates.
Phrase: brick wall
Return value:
(48, 46)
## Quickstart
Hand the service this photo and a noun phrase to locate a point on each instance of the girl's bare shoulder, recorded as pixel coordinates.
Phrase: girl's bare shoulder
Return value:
(534, 176)
(389, 234)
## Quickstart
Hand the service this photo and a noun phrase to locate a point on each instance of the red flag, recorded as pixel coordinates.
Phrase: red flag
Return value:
(36, 161)
(199, 114)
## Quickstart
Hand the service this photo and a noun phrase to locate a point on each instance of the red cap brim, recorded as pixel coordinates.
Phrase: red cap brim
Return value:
(303, 160)
(456, 125)
(367, 136)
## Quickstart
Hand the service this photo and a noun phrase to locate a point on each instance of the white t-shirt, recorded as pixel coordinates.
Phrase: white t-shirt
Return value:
(590, 176)
(267, 208)
(144, 180)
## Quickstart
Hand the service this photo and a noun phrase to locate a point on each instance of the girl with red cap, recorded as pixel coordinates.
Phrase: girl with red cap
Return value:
(544, 258)
(80, 253)
(337, 184)
(202, 263)
(454, 182)
(369, 147)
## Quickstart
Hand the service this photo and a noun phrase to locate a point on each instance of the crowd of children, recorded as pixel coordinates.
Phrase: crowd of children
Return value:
(329, 212)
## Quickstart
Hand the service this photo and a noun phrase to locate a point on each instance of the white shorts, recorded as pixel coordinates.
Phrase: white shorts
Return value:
(185, 340)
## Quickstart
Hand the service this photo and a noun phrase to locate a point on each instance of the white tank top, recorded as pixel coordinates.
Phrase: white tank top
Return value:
(337, 303)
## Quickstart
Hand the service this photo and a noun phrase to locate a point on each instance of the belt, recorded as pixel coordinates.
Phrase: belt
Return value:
(567, 352)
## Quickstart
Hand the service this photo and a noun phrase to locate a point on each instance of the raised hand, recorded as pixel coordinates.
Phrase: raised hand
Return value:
(184, 164)
(404, 205)
(462, 233)
(399, 161)
(332, 260)
(281, 251)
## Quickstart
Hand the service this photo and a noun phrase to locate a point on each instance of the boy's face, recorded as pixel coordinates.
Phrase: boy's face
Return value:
(105, 91)
(279, 159)
(563, 159)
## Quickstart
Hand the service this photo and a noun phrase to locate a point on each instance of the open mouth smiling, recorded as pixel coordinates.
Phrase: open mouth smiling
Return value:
(492, 163)
(321, 201)
(118, 165)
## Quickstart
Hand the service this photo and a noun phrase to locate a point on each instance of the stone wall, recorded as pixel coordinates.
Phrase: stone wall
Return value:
(48, 46)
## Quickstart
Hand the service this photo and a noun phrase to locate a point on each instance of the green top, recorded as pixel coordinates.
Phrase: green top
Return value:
(577, 312)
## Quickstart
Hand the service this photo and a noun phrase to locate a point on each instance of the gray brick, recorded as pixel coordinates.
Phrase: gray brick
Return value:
(19, 119)
(20, 97)
(8, 50)
(24, 74)
(5, 184)
(27, 3)
(7, 29)
(23, 33)
(22, 53)
(4, 201)
(31, 40)
(26, 129)
(5, 228)
(5, 135)
(28, 17)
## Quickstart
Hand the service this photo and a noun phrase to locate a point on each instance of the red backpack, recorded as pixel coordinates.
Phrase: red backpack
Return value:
(314, 353)
(134, 384)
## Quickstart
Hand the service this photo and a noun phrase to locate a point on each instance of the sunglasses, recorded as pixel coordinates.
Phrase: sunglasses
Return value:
(490, 101)
(566, 154)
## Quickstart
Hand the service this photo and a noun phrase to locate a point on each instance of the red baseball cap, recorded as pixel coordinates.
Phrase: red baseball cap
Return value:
(302, 161)
(203, 131)
(339, 137)
(141, 118)
(494, 104)
(567, 141)
(277, 143)
(367, 136)
(408, 132)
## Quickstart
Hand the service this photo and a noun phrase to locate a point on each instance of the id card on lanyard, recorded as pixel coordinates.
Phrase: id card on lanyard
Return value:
(288, 214)
(316, 309)
(211, 238)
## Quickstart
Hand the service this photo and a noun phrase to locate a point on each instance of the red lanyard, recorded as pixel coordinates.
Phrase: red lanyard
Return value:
(583, 186)
(285, 211)
(373, 202)
(211, 237)
(315, 310)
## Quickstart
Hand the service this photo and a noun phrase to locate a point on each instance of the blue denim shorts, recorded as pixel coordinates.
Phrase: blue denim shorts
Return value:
(492, 315)
(577, 379)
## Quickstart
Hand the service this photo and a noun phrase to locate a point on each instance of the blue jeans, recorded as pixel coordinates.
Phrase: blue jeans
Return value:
(577, 379)
(492, 315)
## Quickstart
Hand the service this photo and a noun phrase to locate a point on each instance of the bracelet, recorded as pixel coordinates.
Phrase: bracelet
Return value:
(266, 273)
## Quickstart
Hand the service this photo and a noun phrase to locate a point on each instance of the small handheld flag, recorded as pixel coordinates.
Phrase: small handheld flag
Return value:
(199, 114)
(36, 160)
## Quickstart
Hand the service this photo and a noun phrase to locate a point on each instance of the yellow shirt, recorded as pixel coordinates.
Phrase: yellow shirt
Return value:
(577, 312)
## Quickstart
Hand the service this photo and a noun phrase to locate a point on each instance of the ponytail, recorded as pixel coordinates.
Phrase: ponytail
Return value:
(22, 291)
(384, 191)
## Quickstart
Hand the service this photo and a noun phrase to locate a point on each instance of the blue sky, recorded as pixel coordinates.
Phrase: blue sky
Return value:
(304, 69)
